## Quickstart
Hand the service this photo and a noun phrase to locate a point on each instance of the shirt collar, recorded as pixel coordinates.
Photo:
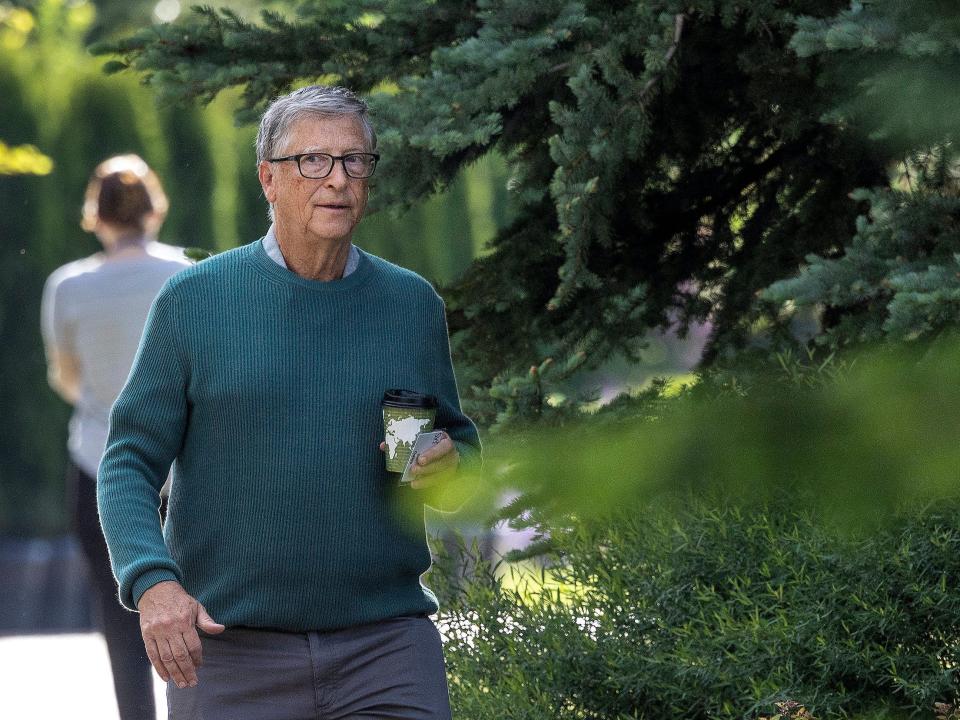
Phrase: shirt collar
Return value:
(272, 247)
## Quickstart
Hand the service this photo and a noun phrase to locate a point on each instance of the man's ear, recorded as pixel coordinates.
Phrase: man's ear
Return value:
(268, 179)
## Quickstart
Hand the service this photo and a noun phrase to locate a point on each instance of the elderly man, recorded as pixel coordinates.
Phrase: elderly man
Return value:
(260, 376)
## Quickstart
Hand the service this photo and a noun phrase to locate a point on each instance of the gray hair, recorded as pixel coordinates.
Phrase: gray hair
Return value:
(321, 100)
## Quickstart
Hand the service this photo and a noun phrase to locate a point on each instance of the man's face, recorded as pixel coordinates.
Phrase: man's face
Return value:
(325, 209)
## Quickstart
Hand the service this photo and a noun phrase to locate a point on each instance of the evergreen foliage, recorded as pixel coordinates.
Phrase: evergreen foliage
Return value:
(709, 613)
(712, 554)
(671, 160)
(667, 159)
(899, 278)
(895, 69)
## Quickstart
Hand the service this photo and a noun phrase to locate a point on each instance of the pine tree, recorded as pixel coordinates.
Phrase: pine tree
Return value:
(667, 158)
(895, 68)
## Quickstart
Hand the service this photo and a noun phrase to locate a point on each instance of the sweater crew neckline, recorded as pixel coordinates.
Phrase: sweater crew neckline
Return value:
(267, 266)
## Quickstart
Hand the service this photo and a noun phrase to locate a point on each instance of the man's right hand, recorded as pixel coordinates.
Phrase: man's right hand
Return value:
(169, 619)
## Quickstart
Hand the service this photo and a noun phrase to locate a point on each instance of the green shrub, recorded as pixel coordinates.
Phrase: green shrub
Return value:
(711, 613)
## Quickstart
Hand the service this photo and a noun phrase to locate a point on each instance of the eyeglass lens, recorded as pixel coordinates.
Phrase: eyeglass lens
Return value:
(319, 165)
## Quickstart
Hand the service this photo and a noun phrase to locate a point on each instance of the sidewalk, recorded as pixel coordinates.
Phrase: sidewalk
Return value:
(60, 676)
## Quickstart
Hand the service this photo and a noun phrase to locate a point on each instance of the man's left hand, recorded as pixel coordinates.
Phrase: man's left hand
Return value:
(434, 466)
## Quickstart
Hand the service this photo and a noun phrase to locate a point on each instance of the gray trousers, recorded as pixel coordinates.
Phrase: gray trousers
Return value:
(389, 669)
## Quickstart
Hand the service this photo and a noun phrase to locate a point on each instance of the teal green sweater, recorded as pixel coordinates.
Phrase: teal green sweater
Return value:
(264, 389)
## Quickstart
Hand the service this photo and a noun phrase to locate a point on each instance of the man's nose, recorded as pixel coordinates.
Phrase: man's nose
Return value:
(338, 175)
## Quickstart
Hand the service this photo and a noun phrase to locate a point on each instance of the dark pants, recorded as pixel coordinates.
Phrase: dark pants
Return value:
(131, 667)
(390, 669)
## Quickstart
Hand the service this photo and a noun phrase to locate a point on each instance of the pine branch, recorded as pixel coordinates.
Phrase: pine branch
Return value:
(577, 233)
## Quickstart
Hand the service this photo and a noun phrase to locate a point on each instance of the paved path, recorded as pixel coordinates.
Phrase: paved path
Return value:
(60, 676)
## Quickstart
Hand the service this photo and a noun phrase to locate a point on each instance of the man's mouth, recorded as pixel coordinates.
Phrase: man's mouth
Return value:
(334, 206)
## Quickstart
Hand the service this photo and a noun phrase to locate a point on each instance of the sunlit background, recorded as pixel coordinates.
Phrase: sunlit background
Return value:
(78, 662)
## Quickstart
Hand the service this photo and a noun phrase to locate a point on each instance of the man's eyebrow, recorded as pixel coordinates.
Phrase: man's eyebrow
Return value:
(318, 149)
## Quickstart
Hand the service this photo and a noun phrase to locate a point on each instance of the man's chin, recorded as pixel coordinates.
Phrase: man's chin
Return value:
(339, 232)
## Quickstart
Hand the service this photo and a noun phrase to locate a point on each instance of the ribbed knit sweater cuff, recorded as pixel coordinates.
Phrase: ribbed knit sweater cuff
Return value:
(148, 580)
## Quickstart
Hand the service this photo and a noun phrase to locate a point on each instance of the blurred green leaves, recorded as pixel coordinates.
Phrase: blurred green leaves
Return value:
(857, 439)
(23, 160)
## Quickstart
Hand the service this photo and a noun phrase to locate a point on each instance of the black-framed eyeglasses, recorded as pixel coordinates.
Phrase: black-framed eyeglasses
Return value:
(316, 166)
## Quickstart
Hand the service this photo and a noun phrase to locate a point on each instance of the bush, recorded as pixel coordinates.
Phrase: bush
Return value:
(711, 613)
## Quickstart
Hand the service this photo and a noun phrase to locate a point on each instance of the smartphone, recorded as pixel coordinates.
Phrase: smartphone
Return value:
(424, 442)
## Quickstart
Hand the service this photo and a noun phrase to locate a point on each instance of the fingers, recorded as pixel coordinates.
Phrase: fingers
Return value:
(169, 618)
(176, 659)
(437, 464)
(192, 639)
(433, 474)
(441, 457)
(153, 652)
(169, 655)
(195, 648)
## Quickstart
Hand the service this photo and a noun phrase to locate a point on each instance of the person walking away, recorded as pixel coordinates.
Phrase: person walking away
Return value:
(92, 315)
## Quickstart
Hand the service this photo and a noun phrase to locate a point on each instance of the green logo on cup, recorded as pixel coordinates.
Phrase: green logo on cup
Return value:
(406, 414)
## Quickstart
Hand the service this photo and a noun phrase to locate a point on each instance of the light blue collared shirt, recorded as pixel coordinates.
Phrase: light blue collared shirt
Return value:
(272, 247)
